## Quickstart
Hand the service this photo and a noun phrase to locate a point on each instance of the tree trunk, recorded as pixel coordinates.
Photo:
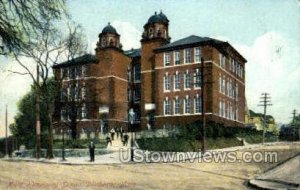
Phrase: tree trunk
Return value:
(73, 128)
(50, 134)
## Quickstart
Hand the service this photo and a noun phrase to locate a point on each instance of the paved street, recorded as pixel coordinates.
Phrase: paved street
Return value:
(29, 175)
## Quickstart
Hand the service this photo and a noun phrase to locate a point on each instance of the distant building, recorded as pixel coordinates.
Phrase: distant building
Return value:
(160, 82)
(256, 120)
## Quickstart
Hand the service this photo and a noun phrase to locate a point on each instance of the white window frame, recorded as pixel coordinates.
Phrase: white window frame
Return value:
(197, 74)
(187, 99)
(185, 80)
(185, 55)
(177, 52)
(167, 82)
(176, 111)
(167, 59)
(83, 111)
(84, 71)
(223, 85)
(165, 106)
(176, 81)
(196, 99)
(197, 55)
(220, 83)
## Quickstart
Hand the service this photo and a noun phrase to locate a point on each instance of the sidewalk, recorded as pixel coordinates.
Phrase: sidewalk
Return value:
(114, 157)
(284, 176)
(111, 158)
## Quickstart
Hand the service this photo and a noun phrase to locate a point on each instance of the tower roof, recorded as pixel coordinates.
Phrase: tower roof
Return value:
(109, 29)
(158, 18)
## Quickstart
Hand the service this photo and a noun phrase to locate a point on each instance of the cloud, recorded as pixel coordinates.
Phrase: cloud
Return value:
(272, 67)
(130, 35)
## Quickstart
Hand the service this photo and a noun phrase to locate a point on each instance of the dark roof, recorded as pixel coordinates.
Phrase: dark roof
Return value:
(158, 18)
(197, 40)
(84, 59)
(133, 53)
(109, 29)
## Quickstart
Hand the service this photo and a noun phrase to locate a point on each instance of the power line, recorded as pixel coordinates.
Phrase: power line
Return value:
(265, 100)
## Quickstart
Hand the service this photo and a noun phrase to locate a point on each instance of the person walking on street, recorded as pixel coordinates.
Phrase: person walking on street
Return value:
(118, 132)
(108, 141)
(92, 151)
(121, 133)
(125, 141)
(112, 133)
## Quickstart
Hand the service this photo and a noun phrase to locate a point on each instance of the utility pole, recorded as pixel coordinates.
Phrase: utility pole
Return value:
(294, 113)
(6, 133)
(203, 83)
(38, 122)
(265, 102)
(203, 107)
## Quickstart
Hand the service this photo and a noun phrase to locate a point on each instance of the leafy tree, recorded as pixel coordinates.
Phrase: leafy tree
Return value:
(51, 47)
(23, 129)
(21, 19)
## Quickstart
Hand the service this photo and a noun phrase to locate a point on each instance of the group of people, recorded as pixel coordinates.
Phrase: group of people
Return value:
(120, 133)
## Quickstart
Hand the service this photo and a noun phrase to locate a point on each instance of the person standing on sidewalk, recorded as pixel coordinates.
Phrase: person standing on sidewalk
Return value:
(112, 133)
(92, 151)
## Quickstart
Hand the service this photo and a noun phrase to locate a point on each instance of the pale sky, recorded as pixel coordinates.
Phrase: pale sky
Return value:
(265, 32)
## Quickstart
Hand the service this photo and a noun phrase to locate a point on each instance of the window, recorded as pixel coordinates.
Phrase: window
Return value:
(62, 94)
(177, 57)
(222, 60)
(197, 55)
(129, 95)
(197, 105)
(167, 82)
(228, 88)
(78, 71)
(236, 91)
(137, 94)
(69, 93)
(72, 73)
(137, 72)
(167, 58)
(83, 112)
(220, 107)
(187, 105)
(187, 80)
(177, 81)
(84, 71)
(77, 91)
(137, 115)
(197, 79)
(228, 110)
(220, 83)
(83, 93)
(233, 66)
(63, 114)
(62, 73)
(224, 109)
(241, 71)
(188, 55)
(167, 106)
(176, 106)
(223, 85)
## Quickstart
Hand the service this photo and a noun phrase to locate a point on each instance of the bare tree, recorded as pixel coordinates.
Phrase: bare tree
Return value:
(49, 48)
(20, 19)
